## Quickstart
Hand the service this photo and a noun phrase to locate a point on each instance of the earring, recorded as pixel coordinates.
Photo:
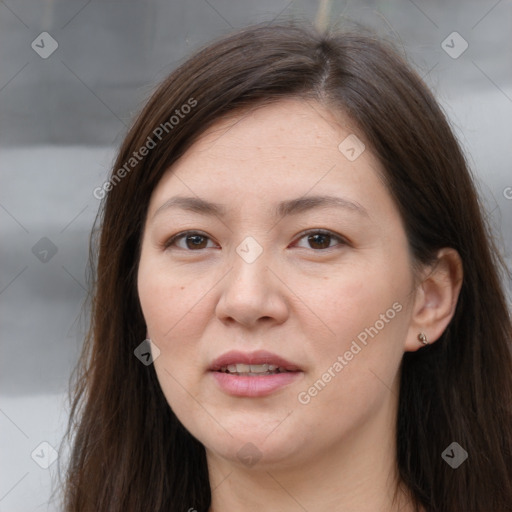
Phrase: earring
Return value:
(423, 338)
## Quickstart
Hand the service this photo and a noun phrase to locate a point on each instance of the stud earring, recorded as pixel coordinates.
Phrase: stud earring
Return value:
(423, 338)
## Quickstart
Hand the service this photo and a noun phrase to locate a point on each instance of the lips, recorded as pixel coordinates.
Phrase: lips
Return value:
(260, 357)
(253, 374)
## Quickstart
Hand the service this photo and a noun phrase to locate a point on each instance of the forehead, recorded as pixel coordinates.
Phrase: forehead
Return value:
(287, 128)
(289, 148)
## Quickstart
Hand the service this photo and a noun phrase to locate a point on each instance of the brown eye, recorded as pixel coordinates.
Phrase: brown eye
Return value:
(189, 241)
(321, 240)
(195, 242)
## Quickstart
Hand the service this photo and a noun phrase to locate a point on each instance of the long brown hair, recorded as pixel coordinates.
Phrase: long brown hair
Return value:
(129, 451)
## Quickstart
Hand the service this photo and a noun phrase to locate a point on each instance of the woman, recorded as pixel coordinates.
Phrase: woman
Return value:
(292, 225)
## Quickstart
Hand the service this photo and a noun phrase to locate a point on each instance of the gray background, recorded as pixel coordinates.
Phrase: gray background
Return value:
(61, 119)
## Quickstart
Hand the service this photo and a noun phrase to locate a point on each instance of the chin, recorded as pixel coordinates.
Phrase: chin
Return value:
(255, 447)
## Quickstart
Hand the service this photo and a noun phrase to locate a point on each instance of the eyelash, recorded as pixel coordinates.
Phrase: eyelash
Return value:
(341, 240)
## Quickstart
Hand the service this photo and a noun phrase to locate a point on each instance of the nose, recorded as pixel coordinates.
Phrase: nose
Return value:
(252, 294)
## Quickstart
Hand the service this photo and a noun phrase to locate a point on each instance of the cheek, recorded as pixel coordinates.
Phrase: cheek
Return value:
(168, 303)
(346, 303)
(359, 330)
(176, 308)
(168, 300)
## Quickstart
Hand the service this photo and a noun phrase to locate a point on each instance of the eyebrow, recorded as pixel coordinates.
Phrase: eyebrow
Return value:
(283, 209)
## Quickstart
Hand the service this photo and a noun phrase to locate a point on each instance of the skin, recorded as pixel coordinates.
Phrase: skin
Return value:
(299, 300)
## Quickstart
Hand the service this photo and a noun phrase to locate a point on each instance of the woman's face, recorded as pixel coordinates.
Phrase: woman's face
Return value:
(273, 241)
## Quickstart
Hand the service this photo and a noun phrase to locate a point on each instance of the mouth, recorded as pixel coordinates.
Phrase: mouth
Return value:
(253, 374)
(259, 362)
(253, 370)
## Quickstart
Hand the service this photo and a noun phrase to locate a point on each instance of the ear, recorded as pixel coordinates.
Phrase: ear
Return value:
(436, 299)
